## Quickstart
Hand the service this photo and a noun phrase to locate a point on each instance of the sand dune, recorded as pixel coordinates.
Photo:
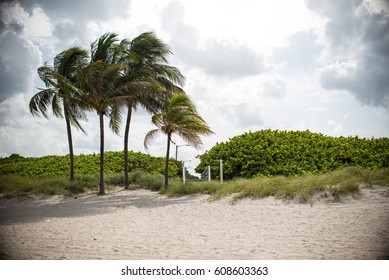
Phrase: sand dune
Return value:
(145, 225)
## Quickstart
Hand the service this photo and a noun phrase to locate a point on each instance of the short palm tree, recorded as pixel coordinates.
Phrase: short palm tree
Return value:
(59, 93)
(150, 78)
(178, 116)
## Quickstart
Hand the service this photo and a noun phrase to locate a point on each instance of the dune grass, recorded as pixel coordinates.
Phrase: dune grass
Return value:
(332, 185)
(16, 185)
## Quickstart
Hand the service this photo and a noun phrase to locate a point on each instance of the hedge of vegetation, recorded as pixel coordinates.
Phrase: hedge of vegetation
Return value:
(273, 152)
(58, 166)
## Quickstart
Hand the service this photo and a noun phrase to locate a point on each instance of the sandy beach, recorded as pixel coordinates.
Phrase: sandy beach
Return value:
(146, 225)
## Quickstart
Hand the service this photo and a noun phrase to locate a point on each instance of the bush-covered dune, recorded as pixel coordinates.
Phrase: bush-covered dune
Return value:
(58, 166)
(273, 152)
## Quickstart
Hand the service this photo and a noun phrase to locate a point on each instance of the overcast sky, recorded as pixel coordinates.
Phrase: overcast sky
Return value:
(321, 65)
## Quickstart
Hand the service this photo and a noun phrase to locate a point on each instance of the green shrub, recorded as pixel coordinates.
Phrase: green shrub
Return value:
(58, 166)
(273, 152)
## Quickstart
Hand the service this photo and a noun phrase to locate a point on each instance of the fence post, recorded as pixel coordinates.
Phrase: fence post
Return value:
(183, 173)
(221, 171)
(209, 173)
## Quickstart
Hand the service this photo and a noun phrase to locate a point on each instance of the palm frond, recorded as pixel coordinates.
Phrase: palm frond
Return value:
(101, 49)
(56, 105)
(41, 101)
(77, 125)
(191, 138)
(181, 105)
(169, 88)
(67, 62)
(158, 120)
(170, 73)
(150, 137)
(75, 113)
(148, 47)
(115, 119)
(47, 75)
(120, 52)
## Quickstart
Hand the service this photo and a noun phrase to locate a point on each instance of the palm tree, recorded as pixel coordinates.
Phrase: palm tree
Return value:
(59, 93)
(151, 79)
(101, 82)
(178, 116)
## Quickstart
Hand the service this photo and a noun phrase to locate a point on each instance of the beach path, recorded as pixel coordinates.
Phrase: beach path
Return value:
(146, 225)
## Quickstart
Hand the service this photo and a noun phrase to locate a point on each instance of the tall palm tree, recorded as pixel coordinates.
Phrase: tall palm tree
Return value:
(178, 116)
(101, 82)
(151, 79)
(59, 93)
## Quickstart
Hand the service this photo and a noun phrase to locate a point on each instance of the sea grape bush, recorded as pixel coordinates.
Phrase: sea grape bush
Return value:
(273, 152)
(58, 166)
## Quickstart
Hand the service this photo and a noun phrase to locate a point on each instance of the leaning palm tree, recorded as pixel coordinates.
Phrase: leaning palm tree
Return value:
(101, 84)
(59, 93)
(150, 77)
(178, 116)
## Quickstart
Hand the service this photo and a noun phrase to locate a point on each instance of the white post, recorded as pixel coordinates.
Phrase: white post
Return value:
(183, 173)
(209, 173)
(221, 171)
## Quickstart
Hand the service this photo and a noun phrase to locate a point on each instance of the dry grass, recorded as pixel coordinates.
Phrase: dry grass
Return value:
(332, 185)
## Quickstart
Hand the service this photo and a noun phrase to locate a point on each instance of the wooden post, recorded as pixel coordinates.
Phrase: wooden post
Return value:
(183, 173)
(221, 171)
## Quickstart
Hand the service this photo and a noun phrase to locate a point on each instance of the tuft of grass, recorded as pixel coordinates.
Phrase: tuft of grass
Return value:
(114, 179)
(153, 182)
(13, 185)
(177, 188)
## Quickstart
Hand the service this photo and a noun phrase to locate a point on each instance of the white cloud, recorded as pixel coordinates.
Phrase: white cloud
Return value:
(300, 56)
(242, 115)
(22, 134)
(338, 74)
(357, 52)
(336, 127)
(317, 109)
(215, 57)
(261, 25)
(275, 87)
(19, 59)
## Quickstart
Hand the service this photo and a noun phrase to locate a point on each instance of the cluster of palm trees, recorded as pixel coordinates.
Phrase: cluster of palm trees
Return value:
(114, 76)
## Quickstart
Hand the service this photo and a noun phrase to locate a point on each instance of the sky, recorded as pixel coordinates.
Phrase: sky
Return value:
(321, 65)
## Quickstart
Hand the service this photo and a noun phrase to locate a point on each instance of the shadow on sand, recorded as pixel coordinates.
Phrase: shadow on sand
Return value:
(24, 210)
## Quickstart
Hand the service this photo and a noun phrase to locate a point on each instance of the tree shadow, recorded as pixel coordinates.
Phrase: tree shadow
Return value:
(13, 211)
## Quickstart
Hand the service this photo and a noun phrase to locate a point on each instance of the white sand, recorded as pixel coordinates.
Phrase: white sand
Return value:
(145, 225)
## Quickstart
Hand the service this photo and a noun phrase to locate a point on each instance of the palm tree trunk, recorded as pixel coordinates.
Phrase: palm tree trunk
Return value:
(101, 116)
(70, 142)
(126, 133)
(167, 160)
